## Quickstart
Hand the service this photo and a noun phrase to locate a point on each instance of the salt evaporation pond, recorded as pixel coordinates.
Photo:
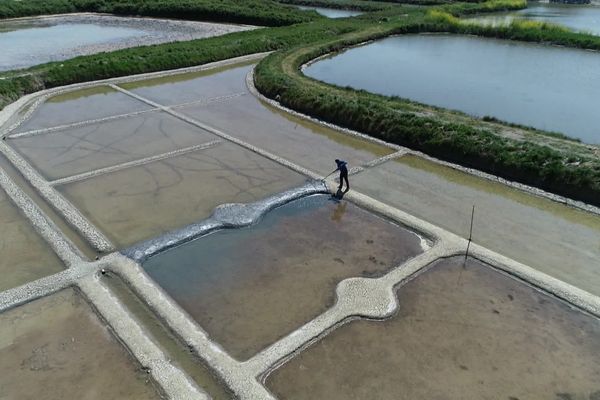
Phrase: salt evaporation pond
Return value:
(549, 88)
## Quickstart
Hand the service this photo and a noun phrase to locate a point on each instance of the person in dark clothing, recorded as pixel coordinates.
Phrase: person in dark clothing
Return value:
(342, 166)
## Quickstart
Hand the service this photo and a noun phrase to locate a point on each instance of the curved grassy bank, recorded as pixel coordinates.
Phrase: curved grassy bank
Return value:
(572, 171)
(253, 12)
(163, 57)
(358, 5)
(555, 165)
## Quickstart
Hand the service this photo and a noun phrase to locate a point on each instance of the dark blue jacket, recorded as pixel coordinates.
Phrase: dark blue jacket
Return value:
(342, 166)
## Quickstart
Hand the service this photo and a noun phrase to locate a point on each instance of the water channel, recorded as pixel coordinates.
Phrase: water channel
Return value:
(582, 18)
(549, 88)
(332, 12)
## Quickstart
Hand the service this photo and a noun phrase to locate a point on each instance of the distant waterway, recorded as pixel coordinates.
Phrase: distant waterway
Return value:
(332, 12)
(549, 88)
(582, 18)
(30, 41)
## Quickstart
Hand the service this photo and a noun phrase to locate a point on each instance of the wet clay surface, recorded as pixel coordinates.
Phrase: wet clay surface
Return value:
(24, 255)
(249, 287)
(194, 86)
(78, 150)
(304, 143)
(56, 348)
(141, 202)
(558, 240)
(462, 332)
(80, 105)
(179, 355)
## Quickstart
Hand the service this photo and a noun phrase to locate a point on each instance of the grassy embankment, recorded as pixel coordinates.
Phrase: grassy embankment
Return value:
(449, 136)
(253, 12)
(357, 5)
(163, 57)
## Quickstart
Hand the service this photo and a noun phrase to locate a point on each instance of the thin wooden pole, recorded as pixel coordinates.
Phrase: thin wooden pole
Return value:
(470, 232)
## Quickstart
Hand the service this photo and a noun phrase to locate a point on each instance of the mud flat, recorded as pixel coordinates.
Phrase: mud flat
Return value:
(56, 348)
(247, 294)
(29, 41)
(24, 255)
(463, 331)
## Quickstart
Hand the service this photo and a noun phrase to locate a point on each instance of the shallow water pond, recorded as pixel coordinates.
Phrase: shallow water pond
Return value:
(556, 239)
(30, 41)
(140, 202)
(549, 88)
(23, 46)
(462, 331)
(56, 348)
(24, 255)
(249, 287)
(583, 18)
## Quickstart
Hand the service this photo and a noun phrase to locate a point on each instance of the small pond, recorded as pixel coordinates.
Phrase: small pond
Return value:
(584, 18)
(549, 88)
(332, 12)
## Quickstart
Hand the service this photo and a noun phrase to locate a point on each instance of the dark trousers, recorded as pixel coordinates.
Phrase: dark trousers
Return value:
(344, 177)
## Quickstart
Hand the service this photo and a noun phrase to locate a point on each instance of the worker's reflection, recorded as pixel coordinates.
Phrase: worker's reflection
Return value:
(339, 211)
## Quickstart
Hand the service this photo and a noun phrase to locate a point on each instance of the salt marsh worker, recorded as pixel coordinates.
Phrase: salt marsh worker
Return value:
(342, 166)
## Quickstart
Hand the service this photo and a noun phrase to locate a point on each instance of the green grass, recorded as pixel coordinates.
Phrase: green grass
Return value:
(254, 12)
(164, 57)
(448, 136)
(522, 30)
(358, 5)
(399, 121)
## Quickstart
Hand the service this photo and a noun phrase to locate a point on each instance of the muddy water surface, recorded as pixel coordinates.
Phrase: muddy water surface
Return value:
(555, 239)
(24, 255)
(80, 105)
(249, 287)
(463, 331)
(142, 202)
(56, 348)
(77, 150)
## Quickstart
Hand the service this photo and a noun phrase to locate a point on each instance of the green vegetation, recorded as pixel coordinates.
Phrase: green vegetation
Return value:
(556, 165)
(163, 57)
(457, 140)
(254, 12)
(522, 30)
(358, 5)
